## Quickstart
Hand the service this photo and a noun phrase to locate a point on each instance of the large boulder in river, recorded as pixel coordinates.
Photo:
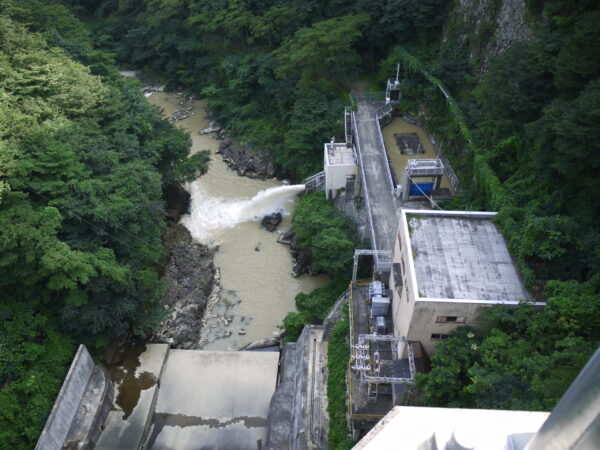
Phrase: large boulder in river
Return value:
(271, 221)
(177, 202)
(212, 127)
(246, 161)
(286, 238)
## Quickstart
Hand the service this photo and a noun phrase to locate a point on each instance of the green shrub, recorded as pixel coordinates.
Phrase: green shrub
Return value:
(337, 366)
(312, 308)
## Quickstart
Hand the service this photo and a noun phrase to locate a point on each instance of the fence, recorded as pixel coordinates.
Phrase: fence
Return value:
(386, 162)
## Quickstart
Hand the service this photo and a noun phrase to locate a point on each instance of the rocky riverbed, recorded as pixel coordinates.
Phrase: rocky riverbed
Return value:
(185, 108)
(245, 160)
(190, 276)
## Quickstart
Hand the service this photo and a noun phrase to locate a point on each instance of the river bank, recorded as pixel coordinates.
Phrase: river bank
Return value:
(251, 288)
(191, 278)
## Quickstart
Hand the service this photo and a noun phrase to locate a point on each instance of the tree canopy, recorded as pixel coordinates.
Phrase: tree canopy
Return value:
(83, 163)
(84, 160)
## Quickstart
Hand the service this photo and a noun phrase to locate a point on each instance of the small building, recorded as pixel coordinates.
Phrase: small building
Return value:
(447, 266)
(340, 167)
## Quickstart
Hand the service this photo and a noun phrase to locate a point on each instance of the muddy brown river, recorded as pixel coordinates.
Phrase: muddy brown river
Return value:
(257, 289)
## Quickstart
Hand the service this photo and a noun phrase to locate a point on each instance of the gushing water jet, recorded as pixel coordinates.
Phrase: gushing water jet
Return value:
(211, 215)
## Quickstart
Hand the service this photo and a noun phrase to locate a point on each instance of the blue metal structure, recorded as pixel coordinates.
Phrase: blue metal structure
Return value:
(421, 188)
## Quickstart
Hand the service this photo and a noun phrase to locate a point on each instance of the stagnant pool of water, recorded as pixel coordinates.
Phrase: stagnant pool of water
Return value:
(257, 287)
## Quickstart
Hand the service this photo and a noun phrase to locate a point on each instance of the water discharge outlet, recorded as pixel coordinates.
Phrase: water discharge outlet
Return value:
(211, 215)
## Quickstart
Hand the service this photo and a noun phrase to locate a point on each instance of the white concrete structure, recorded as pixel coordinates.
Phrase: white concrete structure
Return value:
(340, 164)
(573, 424)
(412, 428)
(447, 266)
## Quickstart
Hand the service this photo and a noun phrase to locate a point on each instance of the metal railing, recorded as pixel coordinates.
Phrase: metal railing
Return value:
(386, 162)
(316, 177)
(335, 309)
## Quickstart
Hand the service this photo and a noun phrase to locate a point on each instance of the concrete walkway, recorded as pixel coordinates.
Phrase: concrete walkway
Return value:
(382, 202)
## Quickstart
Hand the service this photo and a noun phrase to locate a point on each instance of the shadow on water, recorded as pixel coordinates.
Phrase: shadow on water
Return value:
(130, 384)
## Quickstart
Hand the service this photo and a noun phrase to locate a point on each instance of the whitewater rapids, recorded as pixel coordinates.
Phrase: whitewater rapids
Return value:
(211, 215)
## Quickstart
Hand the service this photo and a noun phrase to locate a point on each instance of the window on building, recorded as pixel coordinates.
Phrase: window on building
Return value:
(450, 319)
(397, 268)
(438, 337)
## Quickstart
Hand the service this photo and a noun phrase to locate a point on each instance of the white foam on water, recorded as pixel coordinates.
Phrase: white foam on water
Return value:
(210, 215)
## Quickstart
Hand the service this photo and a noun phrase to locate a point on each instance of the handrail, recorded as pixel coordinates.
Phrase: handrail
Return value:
(314, 177)
(334, 309)
(351, 315)
(386, 162)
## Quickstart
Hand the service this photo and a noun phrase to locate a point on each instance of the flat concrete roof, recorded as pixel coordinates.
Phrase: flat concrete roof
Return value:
(212, 399)
(463, 258)
(428, 428)
(340, 155)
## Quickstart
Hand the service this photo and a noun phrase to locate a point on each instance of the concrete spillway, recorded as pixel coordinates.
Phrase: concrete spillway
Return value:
(212, 399)
(198, 399)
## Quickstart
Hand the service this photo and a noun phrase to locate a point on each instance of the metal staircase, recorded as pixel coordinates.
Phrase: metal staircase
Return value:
(348, 127)
(328, 330)
(315, 182)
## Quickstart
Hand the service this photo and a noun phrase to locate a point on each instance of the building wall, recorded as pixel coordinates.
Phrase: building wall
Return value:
(335, 177)
(403, 301)
(424, 321)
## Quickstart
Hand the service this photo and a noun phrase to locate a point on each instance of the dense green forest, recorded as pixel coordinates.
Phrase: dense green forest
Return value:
(84, 160)
(273, 71)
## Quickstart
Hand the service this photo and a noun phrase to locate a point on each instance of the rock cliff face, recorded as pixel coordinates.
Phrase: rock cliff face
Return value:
(190, 275)
(488, 27)
(246, 161)
(177, 202)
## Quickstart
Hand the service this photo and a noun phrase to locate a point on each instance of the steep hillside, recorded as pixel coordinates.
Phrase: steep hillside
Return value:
(488, 27)
(83, 162)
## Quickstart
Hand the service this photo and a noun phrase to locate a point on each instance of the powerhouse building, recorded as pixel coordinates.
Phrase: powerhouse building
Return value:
(447, 267)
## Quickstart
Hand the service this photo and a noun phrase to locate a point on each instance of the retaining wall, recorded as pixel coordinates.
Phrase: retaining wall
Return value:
(80, 408)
